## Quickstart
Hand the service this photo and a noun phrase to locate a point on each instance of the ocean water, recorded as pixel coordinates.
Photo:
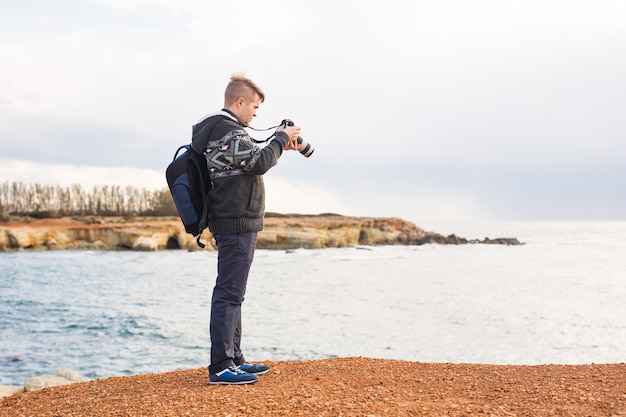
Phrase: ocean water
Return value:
(559, 298)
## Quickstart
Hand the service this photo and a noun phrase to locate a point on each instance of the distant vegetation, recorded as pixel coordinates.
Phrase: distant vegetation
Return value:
(45, 201)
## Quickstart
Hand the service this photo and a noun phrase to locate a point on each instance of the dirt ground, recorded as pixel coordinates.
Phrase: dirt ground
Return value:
(345, 387)
(82, 223)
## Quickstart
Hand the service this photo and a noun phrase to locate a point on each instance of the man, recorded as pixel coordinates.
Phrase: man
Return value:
(237, 202)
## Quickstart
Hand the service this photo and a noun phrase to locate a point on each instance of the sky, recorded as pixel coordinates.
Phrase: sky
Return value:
(429, 111)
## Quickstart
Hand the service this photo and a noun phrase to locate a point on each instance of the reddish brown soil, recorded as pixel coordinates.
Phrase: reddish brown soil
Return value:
(345, 387)
(70, 223)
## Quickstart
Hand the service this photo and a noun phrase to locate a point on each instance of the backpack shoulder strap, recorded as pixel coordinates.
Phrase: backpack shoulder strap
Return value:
(187, 147)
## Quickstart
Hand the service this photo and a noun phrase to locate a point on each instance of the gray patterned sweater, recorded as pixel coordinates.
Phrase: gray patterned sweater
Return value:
(236, 165)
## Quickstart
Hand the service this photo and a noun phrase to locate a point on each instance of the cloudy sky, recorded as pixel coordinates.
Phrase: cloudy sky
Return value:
(446, 110)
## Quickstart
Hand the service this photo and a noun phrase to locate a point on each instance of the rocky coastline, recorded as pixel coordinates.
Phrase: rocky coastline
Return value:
(158, 233)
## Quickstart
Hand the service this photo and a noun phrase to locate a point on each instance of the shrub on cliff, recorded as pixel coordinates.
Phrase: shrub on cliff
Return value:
(44, 214)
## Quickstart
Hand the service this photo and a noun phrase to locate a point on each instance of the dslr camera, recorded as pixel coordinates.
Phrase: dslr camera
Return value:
(305, 148)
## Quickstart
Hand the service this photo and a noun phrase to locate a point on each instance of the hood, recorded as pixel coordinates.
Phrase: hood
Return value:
(201, 131)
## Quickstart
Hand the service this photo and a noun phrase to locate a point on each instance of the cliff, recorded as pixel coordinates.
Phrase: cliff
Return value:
(157, 233)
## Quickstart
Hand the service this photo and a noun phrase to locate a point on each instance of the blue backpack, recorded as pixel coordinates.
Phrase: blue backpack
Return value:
(189, 180)
(189, 183)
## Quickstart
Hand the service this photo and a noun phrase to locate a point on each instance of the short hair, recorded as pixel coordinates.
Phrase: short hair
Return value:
(241, 86)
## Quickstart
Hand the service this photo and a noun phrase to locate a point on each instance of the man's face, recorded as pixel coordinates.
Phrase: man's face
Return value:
(248, 109)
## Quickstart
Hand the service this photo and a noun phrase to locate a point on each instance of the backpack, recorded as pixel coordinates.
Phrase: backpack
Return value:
(189, 183)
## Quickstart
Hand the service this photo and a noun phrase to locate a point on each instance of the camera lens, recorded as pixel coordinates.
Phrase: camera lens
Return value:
(305, 148)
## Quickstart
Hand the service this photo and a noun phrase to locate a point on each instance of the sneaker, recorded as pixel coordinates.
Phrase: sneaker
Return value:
(254, 369)
(232, 376)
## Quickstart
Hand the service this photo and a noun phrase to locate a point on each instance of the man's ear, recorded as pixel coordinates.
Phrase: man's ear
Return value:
(240, 102)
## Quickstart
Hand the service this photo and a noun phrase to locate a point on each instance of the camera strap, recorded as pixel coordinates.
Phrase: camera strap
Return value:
(263, 130)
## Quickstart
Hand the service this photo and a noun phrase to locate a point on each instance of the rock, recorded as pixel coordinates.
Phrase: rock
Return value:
(145, 244)
(6, 390)
(51, 243)
(63, 377)
(70, 375)
(501, 241)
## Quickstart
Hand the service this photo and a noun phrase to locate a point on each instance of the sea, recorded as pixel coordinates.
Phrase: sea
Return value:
(560, 298)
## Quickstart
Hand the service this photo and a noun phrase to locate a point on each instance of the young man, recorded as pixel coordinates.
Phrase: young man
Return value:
(237, 202)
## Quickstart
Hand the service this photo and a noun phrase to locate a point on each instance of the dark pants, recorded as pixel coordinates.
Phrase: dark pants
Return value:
(234, 258)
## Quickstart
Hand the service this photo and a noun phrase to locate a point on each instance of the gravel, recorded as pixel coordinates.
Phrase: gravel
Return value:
(344, 387)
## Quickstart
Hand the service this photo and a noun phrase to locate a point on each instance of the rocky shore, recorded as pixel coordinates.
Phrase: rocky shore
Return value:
(62, 377)
(158, 233)
(344, 387)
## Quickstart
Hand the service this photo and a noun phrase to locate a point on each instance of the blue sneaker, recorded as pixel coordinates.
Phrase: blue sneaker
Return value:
(232, 376)
(251, 368)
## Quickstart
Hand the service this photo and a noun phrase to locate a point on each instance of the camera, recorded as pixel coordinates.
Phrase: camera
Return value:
(305, 148)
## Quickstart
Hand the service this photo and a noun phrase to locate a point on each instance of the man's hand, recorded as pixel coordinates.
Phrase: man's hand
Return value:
(292, 132)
